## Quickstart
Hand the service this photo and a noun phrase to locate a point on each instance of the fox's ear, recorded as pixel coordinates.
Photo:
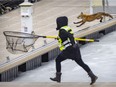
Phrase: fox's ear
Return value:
(81, 12)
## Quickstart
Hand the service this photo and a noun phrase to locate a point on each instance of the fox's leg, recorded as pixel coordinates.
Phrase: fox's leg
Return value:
(101, 19)
(81, 24)
(77, 22)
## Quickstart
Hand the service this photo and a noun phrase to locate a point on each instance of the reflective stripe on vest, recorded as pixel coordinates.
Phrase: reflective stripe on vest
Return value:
(65, 44)
(68, 29)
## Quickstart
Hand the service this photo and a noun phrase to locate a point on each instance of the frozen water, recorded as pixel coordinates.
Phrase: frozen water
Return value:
(100, 56)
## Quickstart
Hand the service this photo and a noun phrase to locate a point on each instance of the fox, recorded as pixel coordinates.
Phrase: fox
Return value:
(92, 17)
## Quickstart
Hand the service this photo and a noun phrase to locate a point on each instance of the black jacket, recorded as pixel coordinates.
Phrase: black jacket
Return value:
(64, 35)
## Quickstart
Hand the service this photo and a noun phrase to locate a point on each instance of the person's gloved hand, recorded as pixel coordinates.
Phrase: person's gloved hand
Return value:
(75, 46)
(56, 38)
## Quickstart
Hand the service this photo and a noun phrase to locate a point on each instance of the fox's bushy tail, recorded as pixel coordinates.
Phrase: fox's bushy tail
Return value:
(106, 14)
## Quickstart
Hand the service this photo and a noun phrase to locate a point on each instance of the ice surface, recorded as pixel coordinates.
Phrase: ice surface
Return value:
(100, 56)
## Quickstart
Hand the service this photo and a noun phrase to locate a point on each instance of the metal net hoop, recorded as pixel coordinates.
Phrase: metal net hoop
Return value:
(19, 42)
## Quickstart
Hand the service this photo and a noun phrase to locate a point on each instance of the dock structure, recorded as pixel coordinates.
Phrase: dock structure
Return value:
(107, 6)
(44, 20)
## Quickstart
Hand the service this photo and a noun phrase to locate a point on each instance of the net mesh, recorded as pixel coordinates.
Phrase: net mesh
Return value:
(19, 42)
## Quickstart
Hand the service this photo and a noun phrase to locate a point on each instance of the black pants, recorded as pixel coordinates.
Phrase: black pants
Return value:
(71, 53)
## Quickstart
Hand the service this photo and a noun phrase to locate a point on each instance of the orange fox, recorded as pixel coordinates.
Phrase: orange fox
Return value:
(92, 17)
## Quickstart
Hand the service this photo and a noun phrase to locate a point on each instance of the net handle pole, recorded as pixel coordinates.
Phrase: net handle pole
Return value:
(78, 39)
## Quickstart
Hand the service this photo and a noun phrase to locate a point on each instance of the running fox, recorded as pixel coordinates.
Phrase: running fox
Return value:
(92, 17)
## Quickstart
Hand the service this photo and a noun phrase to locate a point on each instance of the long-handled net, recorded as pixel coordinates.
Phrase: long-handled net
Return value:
(19, 42)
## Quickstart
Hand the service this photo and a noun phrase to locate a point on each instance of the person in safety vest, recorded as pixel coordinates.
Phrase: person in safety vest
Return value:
(69, 50)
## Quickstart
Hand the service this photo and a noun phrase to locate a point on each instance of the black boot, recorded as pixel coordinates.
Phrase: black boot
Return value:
(93, 77)
(57, 78)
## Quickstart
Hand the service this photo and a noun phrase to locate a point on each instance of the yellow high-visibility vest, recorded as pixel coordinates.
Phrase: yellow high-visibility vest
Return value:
(63, 45)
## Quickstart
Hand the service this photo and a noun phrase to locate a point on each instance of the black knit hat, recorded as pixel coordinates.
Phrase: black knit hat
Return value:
(61, 21)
